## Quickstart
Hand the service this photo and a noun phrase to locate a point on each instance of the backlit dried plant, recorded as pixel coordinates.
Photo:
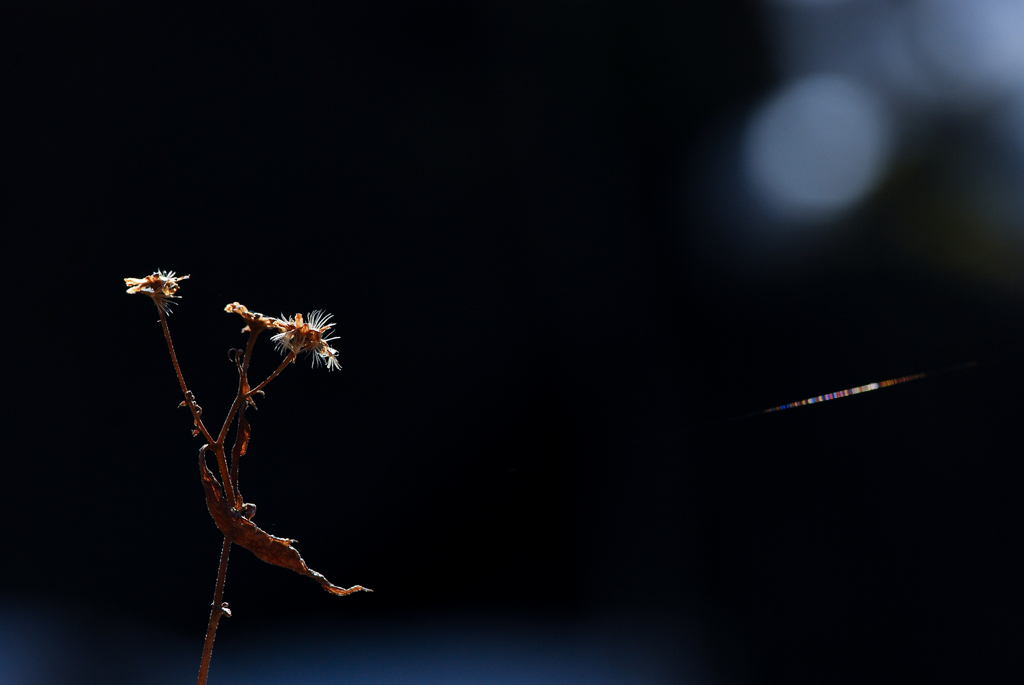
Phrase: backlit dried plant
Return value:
(232, 515)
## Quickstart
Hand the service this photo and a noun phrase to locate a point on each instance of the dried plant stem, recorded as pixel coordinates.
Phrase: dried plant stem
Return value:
(238, 407)
(216, 445)
(223, 499)
(243, 387)
(222, 465)
(253, 334)
(215, 614)
(284, 364)
(236, 456)
(189, 400)
(228, 476)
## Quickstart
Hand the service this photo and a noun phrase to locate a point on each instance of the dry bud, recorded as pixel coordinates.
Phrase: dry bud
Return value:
(255, 321)
(160, 286)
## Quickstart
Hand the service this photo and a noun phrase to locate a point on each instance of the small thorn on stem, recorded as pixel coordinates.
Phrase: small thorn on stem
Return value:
(225, 609)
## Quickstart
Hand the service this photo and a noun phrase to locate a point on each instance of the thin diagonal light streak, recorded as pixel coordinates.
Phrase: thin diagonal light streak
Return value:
(863, 388)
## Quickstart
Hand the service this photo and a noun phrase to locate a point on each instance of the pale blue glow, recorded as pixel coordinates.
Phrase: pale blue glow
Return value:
(817, 147)
(815, 3)
(977, 46)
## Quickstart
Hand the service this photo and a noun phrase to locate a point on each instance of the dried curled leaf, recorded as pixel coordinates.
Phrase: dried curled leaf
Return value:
(244, 533)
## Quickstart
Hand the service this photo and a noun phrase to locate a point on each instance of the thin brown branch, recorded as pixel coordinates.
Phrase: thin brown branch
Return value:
(253, 334)
(222, 466)
(189, 398)
(243, 387)
(229, 475)
(241, 444)
(289, 358)
(220, 608)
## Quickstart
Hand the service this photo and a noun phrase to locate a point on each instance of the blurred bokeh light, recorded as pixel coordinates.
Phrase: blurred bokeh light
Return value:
(972, 47)
(817, 147)
(902, 115)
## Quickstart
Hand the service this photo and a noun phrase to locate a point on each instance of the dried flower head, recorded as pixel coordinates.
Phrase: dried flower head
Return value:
(255, 321)
(298, 336)
(160, 285)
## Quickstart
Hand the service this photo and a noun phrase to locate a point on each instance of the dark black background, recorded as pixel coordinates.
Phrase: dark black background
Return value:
(497, 203)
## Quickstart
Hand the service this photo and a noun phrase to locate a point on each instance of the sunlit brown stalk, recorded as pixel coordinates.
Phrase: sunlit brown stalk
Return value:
(284, 364)
(190, 401)
(220, 608)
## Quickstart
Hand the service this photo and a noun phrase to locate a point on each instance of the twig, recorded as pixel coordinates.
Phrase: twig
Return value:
(289, 358)
(243, 391)
(189, 398)
(220, 608)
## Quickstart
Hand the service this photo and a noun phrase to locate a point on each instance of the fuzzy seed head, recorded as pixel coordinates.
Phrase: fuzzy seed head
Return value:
(300, 336)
